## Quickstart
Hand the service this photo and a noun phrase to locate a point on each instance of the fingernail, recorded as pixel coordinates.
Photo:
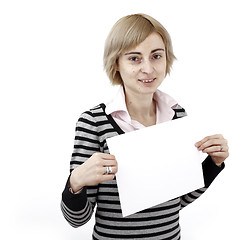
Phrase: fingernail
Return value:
(197, 144)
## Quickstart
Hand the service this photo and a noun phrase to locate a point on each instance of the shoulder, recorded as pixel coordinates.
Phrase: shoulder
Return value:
(95, 111)
(94, 116)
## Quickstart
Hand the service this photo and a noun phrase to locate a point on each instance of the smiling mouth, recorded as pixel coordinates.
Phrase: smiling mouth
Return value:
(147, 80)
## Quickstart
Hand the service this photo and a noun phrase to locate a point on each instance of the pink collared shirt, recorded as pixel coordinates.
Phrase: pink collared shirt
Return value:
(118, 110)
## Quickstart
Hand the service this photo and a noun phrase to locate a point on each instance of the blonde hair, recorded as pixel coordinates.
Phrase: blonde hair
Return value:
(127, 33)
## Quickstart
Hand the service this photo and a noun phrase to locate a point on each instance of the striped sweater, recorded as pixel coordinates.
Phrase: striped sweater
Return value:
(158, 222)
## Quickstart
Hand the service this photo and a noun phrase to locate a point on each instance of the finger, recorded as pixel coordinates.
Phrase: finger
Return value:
(108, 177)
(212, 142)
(222, 155)
(103, 155)
(108, 156)
(111, 171)
(216, 136)
(109, 162)
(213, 149)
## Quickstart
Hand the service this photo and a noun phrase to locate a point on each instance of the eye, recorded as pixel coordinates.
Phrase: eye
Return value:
(157, 56)
(134, 59)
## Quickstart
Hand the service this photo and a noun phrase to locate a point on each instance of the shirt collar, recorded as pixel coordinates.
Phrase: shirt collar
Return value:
(118, 103)
(164, 105)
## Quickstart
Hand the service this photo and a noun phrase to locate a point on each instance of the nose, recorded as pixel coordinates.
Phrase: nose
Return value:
(146, 67)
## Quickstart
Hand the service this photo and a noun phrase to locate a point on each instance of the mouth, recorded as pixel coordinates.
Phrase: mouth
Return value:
(147, 81)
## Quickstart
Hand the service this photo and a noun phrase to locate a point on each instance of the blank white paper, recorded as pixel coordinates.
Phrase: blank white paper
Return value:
(157, 164)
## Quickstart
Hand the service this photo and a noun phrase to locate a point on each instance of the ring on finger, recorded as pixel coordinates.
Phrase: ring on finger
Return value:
(108, 170)
(221, 148)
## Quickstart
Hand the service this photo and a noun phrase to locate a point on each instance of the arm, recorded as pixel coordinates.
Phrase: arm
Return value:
(217, 148)
(78, 208)
(210, 172)
(87, 167)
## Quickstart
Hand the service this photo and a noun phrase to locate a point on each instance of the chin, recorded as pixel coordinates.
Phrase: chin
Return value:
(148, 90)
(149, 87)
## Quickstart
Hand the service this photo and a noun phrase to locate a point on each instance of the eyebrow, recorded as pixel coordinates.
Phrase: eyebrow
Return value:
(139, 53)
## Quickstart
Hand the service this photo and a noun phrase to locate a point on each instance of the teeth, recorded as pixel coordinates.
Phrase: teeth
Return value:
(147, 80)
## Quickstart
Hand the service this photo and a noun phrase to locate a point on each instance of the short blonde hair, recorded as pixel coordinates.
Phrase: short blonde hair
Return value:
(127, 33)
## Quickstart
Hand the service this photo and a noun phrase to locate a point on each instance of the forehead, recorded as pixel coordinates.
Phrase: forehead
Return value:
(153, 41)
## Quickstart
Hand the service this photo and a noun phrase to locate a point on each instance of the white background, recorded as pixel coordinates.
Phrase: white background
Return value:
(51, 71)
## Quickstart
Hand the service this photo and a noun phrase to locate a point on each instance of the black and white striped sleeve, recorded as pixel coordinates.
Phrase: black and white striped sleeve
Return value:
(210, 172)
(78, 208)
(210, 169)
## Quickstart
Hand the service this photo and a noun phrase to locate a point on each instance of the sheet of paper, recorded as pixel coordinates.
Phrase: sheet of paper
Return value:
(156, 164)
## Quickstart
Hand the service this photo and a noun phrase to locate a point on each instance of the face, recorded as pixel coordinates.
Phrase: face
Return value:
(143, 68)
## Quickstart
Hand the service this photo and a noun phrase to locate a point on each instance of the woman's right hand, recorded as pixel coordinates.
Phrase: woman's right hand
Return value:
(93, 171)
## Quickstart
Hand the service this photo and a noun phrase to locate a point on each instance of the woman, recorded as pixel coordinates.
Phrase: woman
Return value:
(138, 55)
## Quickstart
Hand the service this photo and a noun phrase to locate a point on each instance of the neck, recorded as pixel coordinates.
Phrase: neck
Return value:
(141, 107)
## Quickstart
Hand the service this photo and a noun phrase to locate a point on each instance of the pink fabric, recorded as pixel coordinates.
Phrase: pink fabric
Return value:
(118, 110)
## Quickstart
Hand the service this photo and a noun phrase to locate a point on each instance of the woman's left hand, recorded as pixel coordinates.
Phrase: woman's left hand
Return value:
(216, 146)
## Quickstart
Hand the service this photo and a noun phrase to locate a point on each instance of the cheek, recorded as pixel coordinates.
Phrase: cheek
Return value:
(162, 69)
(131, 72)
(127, 71)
